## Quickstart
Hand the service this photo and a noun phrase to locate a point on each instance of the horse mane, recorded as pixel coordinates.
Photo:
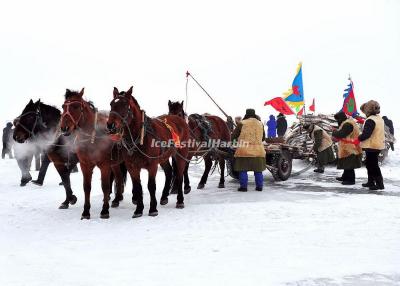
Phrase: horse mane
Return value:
(45, 108)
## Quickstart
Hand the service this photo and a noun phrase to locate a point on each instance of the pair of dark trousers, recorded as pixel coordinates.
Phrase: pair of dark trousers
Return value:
(372, 165)
(349, 176)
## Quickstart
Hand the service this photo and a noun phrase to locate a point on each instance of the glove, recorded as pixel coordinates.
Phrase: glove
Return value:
(356, 142)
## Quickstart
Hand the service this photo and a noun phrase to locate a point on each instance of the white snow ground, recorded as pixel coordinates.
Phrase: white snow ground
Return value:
(306, 231)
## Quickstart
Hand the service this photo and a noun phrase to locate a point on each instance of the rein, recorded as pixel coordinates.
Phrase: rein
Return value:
(67, 112)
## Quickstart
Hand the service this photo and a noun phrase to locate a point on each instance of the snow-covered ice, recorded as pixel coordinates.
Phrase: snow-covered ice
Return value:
(308, 230)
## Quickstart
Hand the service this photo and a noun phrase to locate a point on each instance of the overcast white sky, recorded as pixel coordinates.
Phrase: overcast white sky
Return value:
(243, 52)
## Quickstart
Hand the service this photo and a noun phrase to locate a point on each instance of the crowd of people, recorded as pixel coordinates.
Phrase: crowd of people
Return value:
(351, 144)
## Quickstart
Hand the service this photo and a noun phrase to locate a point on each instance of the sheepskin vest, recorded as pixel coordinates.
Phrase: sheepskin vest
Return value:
(346, 149)
(250, 139)
(377, 139)
(326, 139)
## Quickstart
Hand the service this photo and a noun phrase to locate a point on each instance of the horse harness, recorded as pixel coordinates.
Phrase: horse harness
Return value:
(38, 120)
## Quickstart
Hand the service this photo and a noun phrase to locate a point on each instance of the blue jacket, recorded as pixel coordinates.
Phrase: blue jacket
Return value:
(271, 125)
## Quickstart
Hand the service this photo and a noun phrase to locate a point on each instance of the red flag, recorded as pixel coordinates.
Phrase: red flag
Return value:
(301, 112)
(312, 106)
(280, 105)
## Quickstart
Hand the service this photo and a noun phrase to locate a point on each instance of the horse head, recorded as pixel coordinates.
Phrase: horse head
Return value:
(74, 110)
(176, 108)
(125, 111)
(29, 123)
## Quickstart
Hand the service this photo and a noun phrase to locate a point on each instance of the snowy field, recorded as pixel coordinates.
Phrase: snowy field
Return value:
(309, 230)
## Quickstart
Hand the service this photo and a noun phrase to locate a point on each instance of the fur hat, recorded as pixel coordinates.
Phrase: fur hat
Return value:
(371, 107)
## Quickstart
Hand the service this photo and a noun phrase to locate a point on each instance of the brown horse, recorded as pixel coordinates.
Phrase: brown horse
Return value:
(143, 139)
(93, 148)
(217, 130)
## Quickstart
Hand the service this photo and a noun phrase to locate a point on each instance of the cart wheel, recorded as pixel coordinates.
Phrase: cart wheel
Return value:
(283, 164)
(229, 167)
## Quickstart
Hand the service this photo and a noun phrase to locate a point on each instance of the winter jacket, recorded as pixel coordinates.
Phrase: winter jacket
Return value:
(281, 125)
(251, 139)
(322, 140)
(271, 124)
(373, 135)
(349, 155)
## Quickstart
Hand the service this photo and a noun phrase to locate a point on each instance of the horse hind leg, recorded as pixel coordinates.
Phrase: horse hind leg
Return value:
(168, 179)
(187, 188)
(70, 198)
(119, 186)
(106, 187)
(151, 185)
(208, 164)
(180, 166)
(222, 169)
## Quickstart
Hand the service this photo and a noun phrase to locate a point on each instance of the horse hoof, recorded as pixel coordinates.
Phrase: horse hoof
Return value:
(73, 200)
(187, 190)
(63, 206)
(221, 185)
(154, 213)
(174, 191)
(135, 215)
(115, 204)
(163, 202)
(85, 217)
(201, 186)
(180, 205)
(105, 216)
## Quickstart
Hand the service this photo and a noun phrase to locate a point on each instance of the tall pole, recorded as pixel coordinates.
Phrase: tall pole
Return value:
(189, 74)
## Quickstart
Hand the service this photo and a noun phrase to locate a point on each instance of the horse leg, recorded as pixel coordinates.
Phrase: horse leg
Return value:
(119, 184)
(222, 169)
(151, 185)
(168, 179)
(137, 191)
(174, 188)
(106, 187)
(64, 173)
(180, 169)
(187, 187)
(87, 172)
(203, 180)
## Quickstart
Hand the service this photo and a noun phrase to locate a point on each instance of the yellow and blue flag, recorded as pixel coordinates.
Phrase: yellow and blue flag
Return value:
(295, 95)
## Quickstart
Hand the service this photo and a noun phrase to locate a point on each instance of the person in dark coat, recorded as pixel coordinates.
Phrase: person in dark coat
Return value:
(389, 124)
(7, 142)
(372, 141)
(271, 127)
(323, 146)
(250, 154)
(281, 125)
(349, 155)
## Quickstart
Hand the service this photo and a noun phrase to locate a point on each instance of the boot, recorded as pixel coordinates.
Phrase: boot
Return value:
(379, 183)
(242, 189)
(368, 184)
(25, 180)
(319, 170)
(348, 183)
(37, 182)
(259, 189)
(340, 179)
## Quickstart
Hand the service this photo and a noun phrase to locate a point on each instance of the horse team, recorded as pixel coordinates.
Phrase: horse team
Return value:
(118, 142)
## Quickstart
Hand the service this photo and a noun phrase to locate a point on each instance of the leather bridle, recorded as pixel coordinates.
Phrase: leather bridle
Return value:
(67, 112)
